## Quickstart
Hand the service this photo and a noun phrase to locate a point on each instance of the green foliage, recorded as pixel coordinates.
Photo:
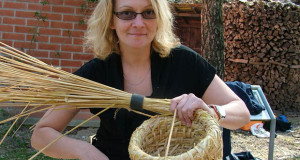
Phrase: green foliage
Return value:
(3, 114)
(39, 17)
(45, 2)
(85, 9)
(81, 22)
(3, 127)
(184, 1)
(17, 147)
(57, 54)
(69, 33)
(92, 1)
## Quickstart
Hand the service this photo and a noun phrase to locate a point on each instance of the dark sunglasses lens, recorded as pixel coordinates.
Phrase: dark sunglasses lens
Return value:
(126, 15)
(149, 14)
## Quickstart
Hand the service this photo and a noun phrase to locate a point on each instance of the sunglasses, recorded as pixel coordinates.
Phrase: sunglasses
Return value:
(129, 15)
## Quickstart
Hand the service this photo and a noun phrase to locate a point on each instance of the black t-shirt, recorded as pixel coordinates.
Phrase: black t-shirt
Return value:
(182, 72)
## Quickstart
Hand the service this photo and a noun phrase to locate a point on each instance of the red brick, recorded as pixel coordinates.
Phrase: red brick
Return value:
(62, 55)
(15, 5)
(80, 26)
(71, 48)
(6, 28)
(38, 7)
(25, 14)
(83, 56)
(83, 12)
(61, 40)
(25, 45)
(75, 3)
(73, 69)
(49, 31)
(72, 18)
(37, 53)
(66, 69)
(51, 16)
(8, 20)
(62, 25)
(56, 2)
(35, 1)
(62, 9)
(38, 38)
(33, 22)
(87, 12)
(22, 29)
(13, 36)
(70, 63)
(74, 33)
(8, 42)
(49, 46)
(78, 41)
(4, 12)
(54, 62)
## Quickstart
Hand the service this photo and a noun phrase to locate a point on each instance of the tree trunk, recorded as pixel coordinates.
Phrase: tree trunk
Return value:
(212, 40)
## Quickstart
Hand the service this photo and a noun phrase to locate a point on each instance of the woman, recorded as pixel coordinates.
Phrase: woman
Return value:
(138, 52)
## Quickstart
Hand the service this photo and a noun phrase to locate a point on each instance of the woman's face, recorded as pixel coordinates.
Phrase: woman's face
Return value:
(138, 32)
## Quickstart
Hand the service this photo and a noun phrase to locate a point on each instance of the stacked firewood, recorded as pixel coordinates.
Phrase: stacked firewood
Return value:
(262, 46)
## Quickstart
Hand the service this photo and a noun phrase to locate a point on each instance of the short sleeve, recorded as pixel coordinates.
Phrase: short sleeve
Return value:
(198, 69)
(87, 70)
(205, 74)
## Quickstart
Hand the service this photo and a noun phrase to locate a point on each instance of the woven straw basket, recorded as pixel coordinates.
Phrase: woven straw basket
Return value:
(202, 140)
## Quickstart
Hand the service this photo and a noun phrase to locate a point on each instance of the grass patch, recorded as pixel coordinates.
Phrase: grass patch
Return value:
(17, 147)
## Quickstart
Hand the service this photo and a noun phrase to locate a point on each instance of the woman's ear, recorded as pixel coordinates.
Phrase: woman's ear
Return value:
(112, 25)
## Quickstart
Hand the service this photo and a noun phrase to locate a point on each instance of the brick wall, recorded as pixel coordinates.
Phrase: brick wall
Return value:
(60, 38)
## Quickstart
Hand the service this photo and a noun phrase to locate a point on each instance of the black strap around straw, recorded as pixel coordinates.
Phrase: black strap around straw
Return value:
(136, 102)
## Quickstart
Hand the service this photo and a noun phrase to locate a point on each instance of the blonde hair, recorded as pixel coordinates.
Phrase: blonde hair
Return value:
(103, 40)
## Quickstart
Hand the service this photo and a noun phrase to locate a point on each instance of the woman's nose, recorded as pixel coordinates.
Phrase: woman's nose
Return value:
(138, 21)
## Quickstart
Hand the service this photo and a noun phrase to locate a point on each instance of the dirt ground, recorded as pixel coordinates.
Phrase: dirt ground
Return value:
(287, 144)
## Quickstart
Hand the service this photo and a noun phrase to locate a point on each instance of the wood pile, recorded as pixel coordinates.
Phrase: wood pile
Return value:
(262, 46)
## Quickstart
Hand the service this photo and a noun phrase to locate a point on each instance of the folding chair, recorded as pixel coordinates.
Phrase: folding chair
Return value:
(266, 115)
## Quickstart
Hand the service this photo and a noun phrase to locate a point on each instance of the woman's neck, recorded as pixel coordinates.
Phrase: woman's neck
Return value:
(135, 57)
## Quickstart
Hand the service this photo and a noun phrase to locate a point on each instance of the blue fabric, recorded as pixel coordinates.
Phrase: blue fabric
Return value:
(282, 124)
(244, 91)
(283, 118)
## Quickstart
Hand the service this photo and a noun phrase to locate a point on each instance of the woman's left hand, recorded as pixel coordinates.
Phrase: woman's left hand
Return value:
(186, 105)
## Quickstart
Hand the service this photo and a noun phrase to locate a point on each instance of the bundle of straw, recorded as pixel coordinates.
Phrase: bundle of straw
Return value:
(202, 140)
(24, 78)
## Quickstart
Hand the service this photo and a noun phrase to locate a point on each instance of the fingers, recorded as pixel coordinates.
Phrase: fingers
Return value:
(175, 101)
(180, 107)
(186, 106)
(185, 109)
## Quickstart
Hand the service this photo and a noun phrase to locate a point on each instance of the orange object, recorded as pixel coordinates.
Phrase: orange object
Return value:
(248, 126)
